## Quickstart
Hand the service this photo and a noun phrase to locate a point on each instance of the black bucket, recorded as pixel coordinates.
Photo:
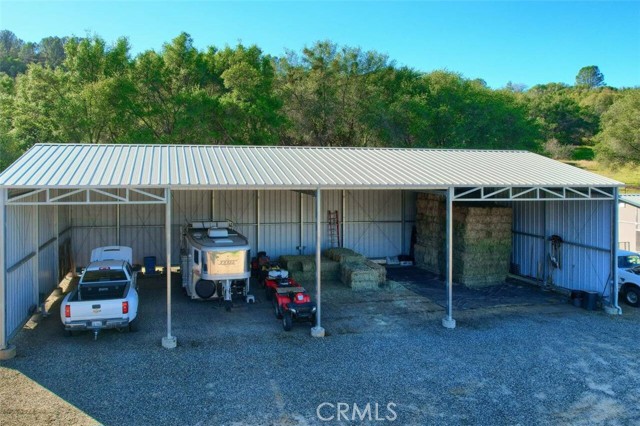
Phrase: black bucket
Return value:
(577, 296)
(590, 300)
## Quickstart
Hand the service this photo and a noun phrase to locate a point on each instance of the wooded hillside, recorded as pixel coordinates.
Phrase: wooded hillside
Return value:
(87, 90)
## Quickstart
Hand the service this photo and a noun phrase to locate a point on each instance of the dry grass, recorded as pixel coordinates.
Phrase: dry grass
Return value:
(629, 175)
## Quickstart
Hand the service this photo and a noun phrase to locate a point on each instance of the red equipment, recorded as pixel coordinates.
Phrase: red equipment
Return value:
(290, 300)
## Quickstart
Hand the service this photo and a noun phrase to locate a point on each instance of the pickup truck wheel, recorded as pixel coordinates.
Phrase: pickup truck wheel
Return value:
(133, 326)
(68, 333)
(287, 321)
(632, 296)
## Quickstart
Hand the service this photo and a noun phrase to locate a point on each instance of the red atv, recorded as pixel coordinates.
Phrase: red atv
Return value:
(290, 300)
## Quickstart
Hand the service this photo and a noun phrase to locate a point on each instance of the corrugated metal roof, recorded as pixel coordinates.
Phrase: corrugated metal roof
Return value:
(245, 167)
(632, 199)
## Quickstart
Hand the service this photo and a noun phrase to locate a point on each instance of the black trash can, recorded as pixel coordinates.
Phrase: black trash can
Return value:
(590, 300)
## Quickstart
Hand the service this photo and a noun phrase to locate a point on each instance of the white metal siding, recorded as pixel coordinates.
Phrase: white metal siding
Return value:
(46, 256)
(373, 222)
(584, 226)
(529, 248)
(21, 281)
(47, 281)
(19, 294)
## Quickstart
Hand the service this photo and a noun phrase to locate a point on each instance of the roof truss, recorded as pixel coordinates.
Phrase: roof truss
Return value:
(107, 196)
(533, 193)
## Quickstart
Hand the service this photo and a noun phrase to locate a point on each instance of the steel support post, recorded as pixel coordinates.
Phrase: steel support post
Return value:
(448, 321)
(317, 330)
(168, 341)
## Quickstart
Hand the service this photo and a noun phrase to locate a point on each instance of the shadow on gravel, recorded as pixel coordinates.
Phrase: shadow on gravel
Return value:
(509, 293)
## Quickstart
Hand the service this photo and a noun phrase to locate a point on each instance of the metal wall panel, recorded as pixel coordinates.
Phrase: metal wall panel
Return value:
(47, 281)
(374, 239)
(21, 230)
(188, 206)
(19, 295)
(587, 223)
(46, 224)
(528, 251)
(584, 226)
(85, 239)
(237, 206)
(373, 227)
(21, 242)
(64, 218)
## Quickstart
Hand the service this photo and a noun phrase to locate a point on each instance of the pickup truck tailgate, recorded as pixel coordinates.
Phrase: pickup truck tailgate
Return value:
(96, 309)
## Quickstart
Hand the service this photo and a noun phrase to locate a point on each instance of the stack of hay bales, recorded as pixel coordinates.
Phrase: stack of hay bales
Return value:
(303, 268)
(482, 244)
(429, 250)
(481, 240)
(355, 270)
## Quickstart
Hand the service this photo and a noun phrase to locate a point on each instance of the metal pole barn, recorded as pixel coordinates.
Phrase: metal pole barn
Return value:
(168, 341)
(317, 330)
(448, 321)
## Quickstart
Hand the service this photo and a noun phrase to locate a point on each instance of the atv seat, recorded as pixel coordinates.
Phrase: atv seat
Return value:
(286, 290)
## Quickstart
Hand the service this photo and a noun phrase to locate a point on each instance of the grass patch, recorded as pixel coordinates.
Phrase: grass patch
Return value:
(630, 175)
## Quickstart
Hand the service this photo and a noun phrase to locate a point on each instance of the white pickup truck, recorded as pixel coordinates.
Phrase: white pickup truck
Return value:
(106, 296)
(629, 276)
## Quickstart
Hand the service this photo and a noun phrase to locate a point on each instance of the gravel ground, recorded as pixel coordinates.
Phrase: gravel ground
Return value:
(518, 364)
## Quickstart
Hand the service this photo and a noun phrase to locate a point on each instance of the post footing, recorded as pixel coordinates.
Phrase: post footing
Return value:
(169, 342)
(448, 323)
(613, 310)
(7, 353)
(317, 332)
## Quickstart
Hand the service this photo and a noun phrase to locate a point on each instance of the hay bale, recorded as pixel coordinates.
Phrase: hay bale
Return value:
(343, 255)
(359, 276)
(380, 271)
(303, 268)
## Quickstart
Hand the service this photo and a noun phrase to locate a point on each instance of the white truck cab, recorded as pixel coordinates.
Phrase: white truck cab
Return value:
(629, 276)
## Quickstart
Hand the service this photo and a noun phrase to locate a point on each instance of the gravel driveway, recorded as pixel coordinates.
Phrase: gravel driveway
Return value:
(516, 364)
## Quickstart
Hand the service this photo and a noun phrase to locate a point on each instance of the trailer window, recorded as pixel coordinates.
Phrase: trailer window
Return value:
(196, 257)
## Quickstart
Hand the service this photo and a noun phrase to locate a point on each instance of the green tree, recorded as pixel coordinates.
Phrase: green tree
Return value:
(10, 54)
(619, 140)
(51, 51)
(9, 148)
(590, 77)
(559, 115)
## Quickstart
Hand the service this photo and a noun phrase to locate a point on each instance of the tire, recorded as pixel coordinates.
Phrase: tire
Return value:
(313, 320)
(268, 293)
(205, 289)
(632, 296)
(287, 321)
(68, 333)
(133, 326)
(227, 305)
(276, 308)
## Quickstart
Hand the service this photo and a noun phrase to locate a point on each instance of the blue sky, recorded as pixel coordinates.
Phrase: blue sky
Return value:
(522, 42)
